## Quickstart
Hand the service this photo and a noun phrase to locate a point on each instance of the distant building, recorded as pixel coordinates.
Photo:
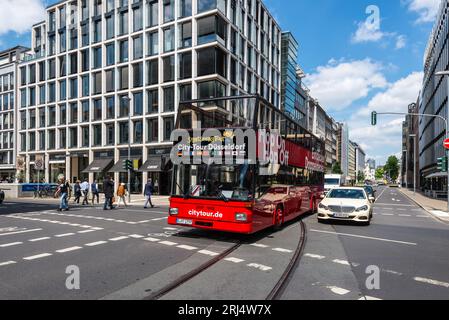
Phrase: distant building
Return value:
(343, 148)
(352, 174)
(410, 138)
(371, 163)
(359, 159)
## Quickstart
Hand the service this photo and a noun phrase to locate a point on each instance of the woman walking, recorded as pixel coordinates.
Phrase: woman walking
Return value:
(77, 190)
(121, 193)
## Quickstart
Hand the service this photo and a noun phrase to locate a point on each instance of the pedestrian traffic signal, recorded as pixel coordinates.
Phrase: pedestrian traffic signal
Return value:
(128, 165)
(443, 164)
(374, 118)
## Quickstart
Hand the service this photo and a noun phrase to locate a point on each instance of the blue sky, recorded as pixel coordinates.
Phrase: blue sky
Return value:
(351, 67)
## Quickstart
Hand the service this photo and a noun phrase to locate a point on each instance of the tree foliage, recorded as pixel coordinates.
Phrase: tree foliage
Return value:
(392, 167)
(379, 173)
(336, 169)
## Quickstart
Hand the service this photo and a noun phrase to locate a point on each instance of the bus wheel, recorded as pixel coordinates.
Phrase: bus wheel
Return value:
(278, 218)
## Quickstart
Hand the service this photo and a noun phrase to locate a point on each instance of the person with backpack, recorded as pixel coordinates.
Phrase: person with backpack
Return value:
(148, 192)
(121, 193)
(108, 193)
(77, 190)
(95, 192)
(63, 193)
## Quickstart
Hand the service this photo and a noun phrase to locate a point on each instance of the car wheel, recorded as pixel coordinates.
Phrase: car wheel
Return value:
(278, 218)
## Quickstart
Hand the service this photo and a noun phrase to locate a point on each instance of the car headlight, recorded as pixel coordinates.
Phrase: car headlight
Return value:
(174, 211)
(242, 217)
(364, 208)
(322, 206)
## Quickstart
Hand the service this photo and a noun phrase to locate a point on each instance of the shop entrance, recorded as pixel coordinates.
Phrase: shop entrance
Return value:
(78, 163)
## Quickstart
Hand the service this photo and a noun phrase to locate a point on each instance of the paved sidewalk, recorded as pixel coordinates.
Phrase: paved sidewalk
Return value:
(437, 208)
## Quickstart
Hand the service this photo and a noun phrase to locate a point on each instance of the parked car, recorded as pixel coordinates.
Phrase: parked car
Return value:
(2, 196)
(346, 204)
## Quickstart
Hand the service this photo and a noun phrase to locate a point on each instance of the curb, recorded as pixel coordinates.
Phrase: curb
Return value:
(425, 209)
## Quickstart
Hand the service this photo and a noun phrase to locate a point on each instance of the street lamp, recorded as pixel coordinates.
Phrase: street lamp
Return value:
(127, 99)
(414, 162)
(446, 74)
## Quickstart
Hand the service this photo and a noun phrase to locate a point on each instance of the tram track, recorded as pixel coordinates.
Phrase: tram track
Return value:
(274, 294)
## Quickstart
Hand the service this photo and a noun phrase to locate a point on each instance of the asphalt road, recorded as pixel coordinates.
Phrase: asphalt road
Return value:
(132, 253)
(405, 245)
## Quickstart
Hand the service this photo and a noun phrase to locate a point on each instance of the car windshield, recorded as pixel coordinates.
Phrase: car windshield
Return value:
(346, 194)
(332, 181)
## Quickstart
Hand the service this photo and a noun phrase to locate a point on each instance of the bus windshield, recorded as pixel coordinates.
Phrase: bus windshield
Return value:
(332, 182)
(224, 182)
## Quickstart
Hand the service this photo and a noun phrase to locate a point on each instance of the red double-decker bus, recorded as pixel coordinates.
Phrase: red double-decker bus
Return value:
(241, 166)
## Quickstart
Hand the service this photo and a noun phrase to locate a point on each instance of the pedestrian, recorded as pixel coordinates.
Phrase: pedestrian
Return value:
(108, 193)
(77, 190)
(85, 190)
(63, 193)
(148, 192)
(121, 193)
(95, 193)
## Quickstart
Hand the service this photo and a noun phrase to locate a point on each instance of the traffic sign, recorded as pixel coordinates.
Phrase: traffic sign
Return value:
(446, 144)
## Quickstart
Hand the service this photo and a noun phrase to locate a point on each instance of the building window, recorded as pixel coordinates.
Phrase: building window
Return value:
(124, 51)
(138, 47)
(185, 65)
(62, 138)
(32, 142)
(85, 111)
(138, 103)
(110, 108)
(123, 23)
(41, 117)
(62, 90)
(185, 92)
(153, 101)
(98, 110)
(211, 61)
(110, 27)
(110, 54)
(169, 39)
(96, 52)
(153, 14)
(153, 43)
(62, 66)
(97, 135)
(32, 74)
(32, 94)
(85, 86)
(73, 57)
(211, 89)
(32, 122)
(73, 137)
(51, 92)
(169, 99)
(85, 60)
(152, 72)
(97, 31)
(138, 131)
(207, 5)
(152, 130)
(96, 79)
(210, 29)
(137, 19)
(85, 137)
(51, 139)
(73, 113)
(110, 134)
(85, 34)
(185, 35)
(124, 78)
(73, 39)
(123, 107)
(137, 75)
(185, 8)
(123, 132)
(169, 124)
(169, 10)
(51, 68)
(110, 80)
(62, 114)
(169, 68)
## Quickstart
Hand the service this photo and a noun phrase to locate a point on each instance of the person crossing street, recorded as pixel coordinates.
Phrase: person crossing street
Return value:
(85, 190)
(148, 192)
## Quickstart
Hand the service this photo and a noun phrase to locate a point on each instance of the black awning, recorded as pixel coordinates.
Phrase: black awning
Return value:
(99, 165)
(118, 167)
(153, 164)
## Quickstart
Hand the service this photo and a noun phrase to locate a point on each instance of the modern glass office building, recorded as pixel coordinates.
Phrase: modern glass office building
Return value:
(95, 63)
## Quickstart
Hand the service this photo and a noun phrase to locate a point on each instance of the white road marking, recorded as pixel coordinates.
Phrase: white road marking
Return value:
(159, 219)
(282, 250)
(152, 239)
(387, 214)
(39, 239)
(93, 244)
(64, 235)
(433, 282)
(343, 262)
(96, 228)
(393, 204)
(136, 236)
(393, 272)
(190, 248)
(68, 249)
(422, 216)
(10, 244)
(118, 238)
(87, 231)
(314, 256)
(38, 256)
(404, 215)
(7, 263)
(18, 232)
(364, 237)
(234, 260)
(440, 213)
(168, 243)
(338, 290)
(259, 245)
(143, 221)
(369, 298)
(208, 253)
(171, 229)
(259, 266)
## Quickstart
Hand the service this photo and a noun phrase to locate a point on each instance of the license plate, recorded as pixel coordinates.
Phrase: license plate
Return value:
(184, 221)
(341, 215)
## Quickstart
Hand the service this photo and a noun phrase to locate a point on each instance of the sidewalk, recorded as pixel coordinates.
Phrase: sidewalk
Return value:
(437, 208)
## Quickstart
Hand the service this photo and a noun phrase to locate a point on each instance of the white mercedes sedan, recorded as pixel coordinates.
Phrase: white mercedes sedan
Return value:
(346, 204)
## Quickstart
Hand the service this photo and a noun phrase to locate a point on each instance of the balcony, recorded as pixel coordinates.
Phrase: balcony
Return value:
(31, 57)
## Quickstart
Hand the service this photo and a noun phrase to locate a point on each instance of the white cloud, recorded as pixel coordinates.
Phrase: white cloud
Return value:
(338, 84)
(19, 15)
(385, 139)
(401, 42)
(367, 32)
(426, 9)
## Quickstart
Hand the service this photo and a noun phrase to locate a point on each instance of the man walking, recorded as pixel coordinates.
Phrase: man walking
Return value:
(108, 193)
(85, 190)
(63, 193)
(95, 193)
(148, 192)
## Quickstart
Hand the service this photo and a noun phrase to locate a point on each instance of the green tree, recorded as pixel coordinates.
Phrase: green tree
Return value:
(380, 173)
(360, 177)
(336, 169)
(392, 168)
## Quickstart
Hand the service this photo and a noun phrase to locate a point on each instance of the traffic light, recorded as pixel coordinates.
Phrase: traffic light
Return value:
(128, 165)
(443, 164)
(374, 118)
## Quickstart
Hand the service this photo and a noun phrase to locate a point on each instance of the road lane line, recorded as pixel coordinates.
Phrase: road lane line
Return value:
(364, 237)
(7, 263)
(343, 262)
(10, 244)
(392, 272)
(19, 232)
(38, 256)
(282, 250)
(87, 231)
(190, 248)
(365, 298)
(387, 214)
(259, 266)
(168, 243)
(234, 260)
(337, 290)
(208, 253)
(259, 245)
(393, 204)
(152, 239)
(93, 244)
(404, 215)
(64, 235)
(315, 256)
(68, 249)
(136, 236)
(39, 239)
(433, 282)
(118, 238)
